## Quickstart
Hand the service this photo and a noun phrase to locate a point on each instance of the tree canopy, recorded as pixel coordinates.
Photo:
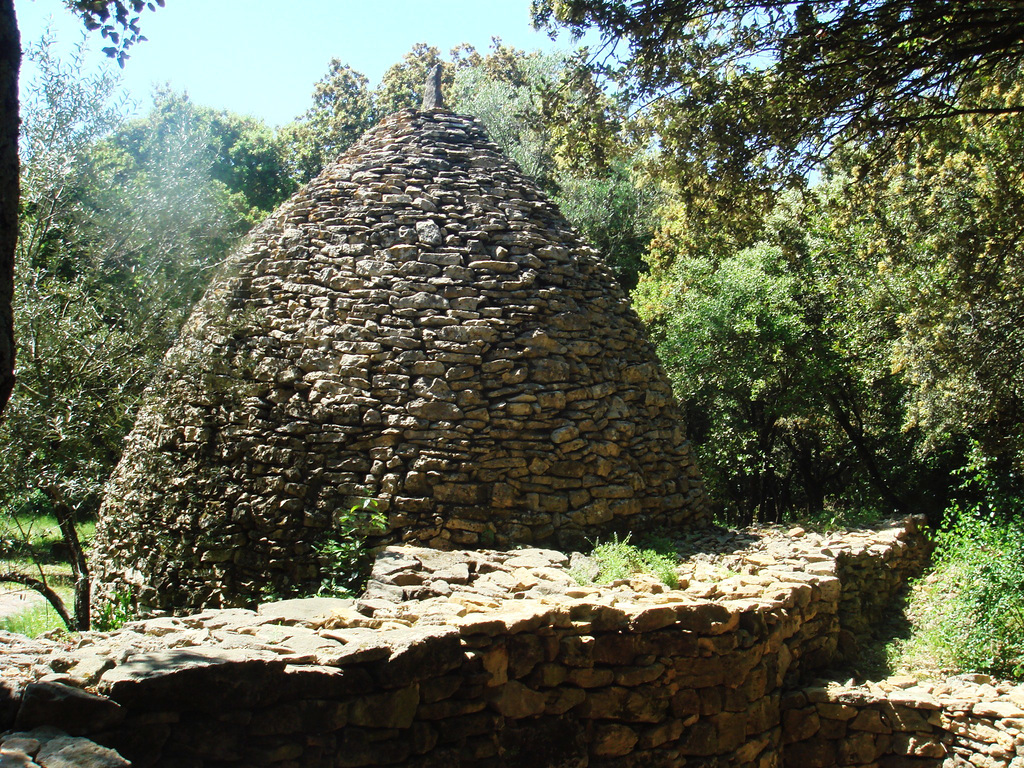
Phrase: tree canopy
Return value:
(831, 283)
(795, 77)
(117, 22)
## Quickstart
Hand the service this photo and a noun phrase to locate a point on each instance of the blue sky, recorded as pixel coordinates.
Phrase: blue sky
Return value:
(249, 57)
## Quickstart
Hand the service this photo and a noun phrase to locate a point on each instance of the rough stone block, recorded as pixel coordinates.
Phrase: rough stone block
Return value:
(72, 710)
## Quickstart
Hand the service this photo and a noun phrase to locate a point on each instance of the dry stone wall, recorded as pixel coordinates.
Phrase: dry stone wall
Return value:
(965, 722)
(510, 664)
(419, 326)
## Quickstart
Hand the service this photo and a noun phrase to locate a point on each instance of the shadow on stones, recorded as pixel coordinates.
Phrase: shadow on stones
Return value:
(715, 540)
(867, 657)
(555, 743)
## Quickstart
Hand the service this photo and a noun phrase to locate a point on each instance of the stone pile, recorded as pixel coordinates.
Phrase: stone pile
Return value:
(52, 748)
(546, 672)
(418, 326)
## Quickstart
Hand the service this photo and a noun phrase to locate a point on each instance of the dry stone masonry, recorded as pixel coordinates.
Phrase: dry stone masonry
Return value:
(502, 659)
(419, 326)
(970, 721)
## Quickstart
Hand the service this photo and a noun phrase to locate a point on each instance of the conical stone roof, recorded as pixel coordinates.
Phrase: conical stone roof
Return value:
(420, 326)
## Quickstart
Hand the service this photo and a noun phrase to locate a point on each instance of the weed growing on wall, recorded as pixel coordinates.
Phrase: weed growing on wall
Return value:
(620, 560)
(115, 612)
(343, 554)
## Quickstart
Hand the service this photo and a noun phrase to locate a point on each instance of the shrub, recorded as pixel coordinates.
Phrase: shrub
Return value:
(343, 553)
(969, 612)
(620, 560)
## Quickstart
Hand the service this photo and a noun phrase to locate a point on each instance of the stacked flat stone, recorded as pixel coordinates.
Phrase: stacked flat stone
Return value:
(605, 676)
(419, 326)
(971, 721)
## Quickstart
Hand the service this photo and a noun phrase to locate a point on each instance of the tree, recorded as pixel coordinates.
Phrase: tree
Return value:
(781, 353)
(907, 280)
(10, 63)
(241, 153)
(121, 227)
(118, 22)
(616, 211)
(912, 109)
(60, 377)
(942, 221)
(504, 91)
(802, 75)
(744, 97)
(543, 112)
(342, 111)
(735, 347)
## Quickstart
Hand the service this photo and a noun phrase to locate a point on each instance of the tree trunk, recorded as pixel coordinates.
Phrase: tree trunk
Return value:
(856, 436)
(10, 63)
(65, 515)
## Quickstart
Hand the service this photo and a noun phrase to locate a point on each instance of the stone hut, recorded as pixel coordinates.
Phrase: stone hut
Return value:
(418, 326)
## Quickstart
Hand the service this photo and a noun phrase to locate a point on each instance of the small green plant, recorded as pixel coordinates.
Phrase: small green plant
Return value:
(343, 553)
(620, 560)
(115, 612)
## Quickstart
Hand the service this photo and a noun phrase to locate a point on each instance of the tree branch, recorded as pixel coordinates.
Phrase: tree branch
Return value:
(42, 588)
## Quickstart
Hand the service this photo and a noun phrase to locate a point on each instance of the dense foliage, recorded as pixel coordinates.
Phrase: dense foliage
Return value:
(969, 612)
(755, 87)
(839, 337)
(835, 281)
(121, 226)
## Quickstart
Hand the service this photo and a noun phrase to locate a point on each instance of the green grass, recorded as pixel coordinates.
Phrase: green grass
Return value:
(32, 544)
(33, 621)
(621, 560)
(38, 536)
